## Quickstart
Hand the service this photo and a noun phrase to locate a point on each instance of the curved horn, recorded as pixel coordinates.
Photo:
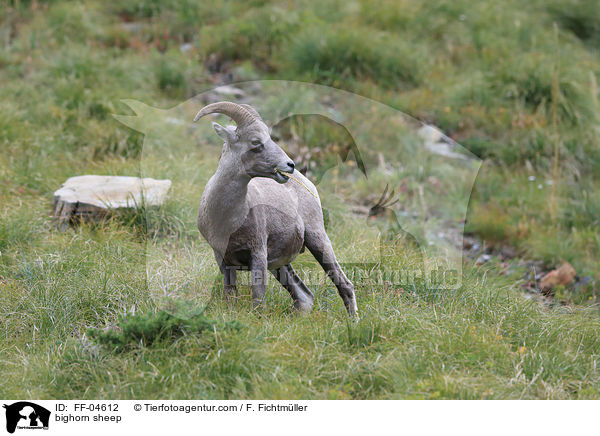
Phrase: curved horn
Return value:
(252, 111)
(236, 112)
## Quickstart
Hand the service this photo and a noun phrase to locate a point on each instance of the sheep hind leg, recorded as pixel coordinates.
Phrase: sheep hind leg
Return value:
(302, 296)
(320, 246)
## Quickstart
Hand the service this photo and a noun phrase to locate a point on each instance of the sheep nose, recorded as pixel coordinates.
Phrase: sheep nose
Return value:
(292, 165)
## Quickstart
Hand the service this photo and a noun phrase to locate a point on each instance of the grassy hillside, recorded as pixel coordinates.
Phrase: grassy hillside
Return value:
(514, 83)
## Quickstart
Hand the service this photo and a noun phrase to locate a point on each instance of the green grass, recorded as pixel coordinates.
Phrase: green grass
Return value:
(482, 72)
(482, 341)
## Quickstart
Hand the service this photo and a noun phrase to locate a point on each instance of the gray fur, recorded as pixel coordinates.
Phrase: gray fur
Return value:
(252, 217)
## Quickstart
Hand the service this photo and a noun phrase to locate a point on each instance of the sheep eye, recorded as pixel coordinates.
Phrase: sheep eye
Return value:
(258, 149)
(256, 142)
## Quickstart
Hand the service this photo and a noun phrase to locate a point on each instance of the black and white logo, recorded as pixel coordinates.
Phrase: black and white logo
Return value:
(26, 415)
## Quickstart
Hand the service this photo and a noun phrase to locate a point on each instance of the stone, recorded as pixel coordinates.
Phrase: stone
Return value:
(224, 92)
(564, 275)
(484, 258)
(93, 197)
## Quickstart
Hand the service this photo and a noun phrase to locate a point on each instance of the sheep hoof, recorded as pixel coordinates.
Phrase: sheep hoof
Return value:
(258, 305)
(230, 292)
(353, 315)
(303, 306)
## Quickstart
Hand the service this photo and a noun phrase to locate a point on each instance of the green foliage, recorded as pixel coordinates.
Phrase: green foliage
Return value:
(257, 36)
(468, 344)
(580, 17)
(144, 8)
(337, 54)
(492, 224)
(149, 328)
(170, 78)
(529, 79)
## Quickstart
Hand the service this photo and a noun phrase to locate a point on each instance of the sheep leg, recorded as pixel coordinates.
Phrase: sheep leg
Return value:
(320, 246)
(229, 279)
(258, 277)
(302, 296)
(230, 282)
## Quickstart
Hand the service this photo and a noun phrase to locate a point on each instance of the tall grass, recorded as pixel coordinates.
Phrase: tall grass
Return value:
(469, 344)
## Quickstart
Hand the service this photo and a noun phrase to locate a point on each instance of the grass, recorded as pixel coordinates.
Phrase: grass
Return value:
(481, 72)
(472, 344)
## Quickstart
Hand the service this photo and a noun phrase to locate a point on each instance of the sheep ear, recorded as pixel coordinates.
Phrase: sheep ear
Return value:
(225, 134)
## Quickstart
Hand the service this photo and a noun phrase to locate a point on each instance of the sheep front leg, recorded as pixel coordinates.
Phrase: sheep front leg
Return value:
(230, 282)
(320, 246)
(258, 277)
(302, 296)
(229, 277)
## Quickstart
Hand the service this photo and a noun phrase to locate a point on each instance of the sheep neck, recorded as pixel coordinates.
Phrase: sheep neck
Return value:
(229, 204)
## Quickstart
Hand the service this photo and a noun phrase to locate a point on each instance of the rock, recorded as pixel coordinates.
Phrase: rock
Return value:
(224, 92)
(229, 91)
(436, 142)
(564, 275)
(467, 243)
(93, 197)
(184, 48)
(508, 252)
(584, 281)
(484, 258)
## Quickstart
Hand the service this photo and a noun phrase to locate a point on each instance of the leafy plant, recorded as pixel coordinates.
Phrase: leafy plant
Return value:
(148, 328)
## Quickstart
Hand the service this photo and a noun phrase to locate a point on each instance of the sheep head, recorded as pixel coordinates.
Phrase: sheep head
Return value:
(250, 142)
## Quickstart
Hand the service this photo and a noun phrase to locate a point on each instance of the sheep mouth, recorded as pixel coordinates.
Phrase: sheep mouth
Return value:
(289, 176)
(281, 176)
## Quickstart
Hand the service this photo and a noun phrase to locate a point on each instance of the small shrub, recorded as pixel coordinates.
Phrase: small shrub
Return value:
(255, 37)
(149, 328)
(580, 17)
(98, 110)
(528, 79)
(337, 54)
(491, 223)
(389, 15)
(118, 143)
(71, 21)
(170, 78)
(130, 9)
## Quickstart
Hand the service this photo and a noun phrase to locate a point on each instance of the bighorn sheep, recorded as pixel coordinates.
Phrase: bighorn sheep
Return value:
(253, 219)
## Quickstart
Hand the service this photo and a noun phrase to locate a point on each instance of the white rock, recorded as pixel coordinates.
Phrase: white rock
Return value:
(95, 196)
(436, 142)
(228, 90)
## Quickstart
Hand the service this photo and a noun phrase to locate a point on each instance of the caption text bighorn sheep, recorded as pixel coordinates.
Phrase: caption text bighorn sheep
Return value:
(253, 219)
